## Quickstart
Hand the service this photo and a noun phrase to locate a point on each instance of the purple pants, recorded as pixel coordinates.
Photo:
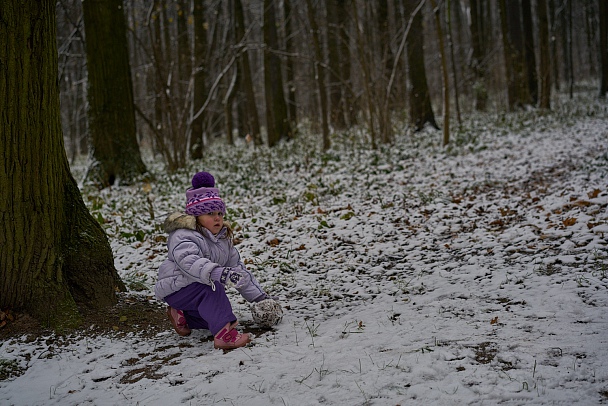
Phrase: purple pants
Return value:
(203, 307)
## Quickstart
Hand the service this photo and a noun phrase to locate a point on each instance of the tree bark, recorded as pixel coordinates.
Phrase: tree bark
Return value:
(277, 120)
(335, 20)
(290, 47)
(199, 93)
(529, 55)
(364, 61)
(508, 56)
(384, 71)
(479, 52)
(544, 67)
(444, 71)
(515, 47)
(115, 151)
(564, 19)
(54, 256)
(421, 110)
(319, 73)
(351, 106)
(184, 57)
(553, 35)
(252, 122)
(450, 37)
(603, 7)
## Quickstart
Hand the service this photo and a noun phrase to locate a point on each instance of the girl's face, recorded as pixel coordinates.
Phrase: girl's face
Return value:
(212, 221)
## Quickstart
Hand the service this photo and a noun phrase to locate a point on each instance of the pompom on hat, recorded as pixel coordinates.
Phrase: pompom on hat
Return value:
(203, 197)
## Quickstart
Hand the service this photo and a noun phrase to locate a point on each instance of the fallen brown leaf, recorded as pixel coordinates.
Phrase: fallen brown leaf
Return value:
(594, 193)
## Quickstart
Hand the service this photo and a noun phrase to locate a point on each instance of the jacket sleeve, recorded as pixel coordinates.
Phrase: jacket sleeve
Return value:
(253, 290)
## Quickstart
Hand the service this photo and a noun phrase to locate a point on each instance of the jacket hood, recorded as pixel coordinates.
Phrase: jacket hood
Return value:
(177, 220)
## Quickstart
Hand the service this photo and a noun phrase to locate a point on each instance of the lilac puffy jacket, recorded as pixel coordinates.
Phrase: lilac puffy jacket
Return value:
(192, 257)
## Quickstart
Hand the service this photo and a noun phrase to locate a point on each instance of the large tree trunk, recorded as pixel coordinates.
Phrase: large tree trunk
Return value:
(553, 24)
(444, 71)
(421, 110)
(252, 120)
(115, 152)
(544, 66)
(184, 58)
(565, 19)
(529, 56)
(198, 98)
(290, 48)
(336, 95)
(450, 36)
(603, 7)
(514, 46)
(277, 120)
(319, 73)
(53, 255)
(508, 56)
(364, 61)
(479, 52)
(352, 105)
(384, 71)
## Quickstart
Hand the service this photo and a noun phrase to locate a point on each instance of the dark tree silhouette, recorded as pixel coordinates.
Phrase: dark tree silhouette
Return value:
(277, 120)
(114, 148)
(421, 110)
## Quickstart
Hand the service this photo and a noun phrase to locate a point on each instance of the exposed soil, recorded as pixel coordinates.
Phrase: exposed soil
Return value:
(132, 314)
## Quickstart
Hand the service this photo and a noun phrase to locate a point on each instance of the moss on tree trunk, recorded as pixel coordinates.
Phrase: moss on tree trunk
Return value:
(54, 256)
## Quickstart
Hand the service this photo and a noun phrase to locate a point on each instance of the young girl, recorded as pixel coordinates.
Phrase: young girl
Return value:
(202, 262)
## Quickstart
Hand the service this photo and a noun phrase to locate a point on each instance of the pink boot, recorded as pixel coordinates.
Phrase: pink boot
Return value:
(229, 338)
(178, 321)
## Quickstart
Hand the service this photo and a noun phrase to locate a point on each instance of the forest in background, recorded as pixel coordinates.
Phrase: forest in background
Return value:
(202, 70)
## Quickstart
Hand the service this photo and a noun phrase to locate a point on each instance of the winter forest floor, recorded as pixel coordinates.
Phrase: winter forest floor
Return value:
(415, 274)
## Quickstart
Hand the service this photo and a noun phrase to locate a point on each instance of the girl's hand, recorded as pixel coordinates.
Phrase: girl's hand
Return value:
(235, 277)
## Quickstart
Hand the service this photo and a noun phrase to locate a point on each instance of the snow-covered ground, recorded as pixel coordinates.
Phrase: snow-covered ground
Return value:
(410, 275)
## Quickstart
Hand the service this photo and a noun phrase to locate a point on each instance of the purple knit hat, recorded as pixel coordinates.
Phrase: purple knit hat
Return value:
(203, 197)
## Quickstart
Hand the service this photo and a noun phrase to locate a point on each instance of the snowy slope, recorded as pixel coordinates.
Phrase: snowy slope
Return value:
(410, 275)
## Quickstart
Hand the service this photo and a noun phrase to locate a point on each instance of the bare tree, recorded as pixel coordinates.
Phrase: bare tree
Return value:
(171, 117)
(339, 63)
(444, 70)
(384, 68)
(252, 121)
(603, 22)
(364, 55)
(565, 19)
(290, 48)
(372, 71)
(479, 51)
(184, 57)
(199, 92)
(319, 73)
(54, 255)
(544, 68)
(529, 57)
(514, 48)
(72, 78)
(510, 71)
(421, 110)
(114, 148)
(450, 39)
(277, 120)
(553, 34)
